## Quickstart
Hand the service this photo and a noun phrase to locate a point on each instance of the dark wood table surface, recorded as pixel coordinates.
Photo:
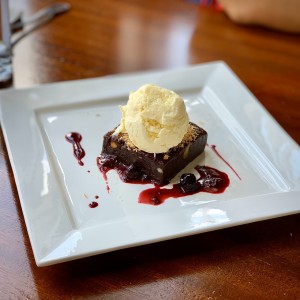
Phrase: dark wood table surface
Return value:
(101, 37)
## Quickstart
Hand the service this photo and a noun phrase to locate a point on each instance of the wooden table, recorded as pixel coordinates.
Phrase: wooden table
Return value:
(100, 37)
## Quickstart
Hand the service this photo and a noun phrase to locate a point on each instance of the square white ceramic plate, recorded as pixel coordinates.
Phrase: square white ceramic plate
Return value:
(55, 191)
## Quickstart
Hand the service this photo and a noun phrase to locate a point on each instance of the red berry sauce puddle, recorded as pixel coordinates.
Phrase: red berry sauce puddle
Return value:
(210, 181)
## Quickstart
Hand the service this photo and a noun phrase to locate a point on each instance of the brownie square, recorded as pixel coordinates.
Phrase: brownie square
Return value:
(135, 165)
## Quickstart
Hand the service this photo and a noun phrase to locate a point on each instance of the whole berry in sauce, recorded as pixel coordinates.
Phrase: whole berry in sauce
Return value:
(188, 183)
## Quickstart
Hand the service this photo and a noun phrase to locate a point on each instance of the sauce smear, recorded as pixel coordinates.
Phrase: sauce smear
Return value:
(214, 149)
(210, 181)
(75, 138)
(93, 204)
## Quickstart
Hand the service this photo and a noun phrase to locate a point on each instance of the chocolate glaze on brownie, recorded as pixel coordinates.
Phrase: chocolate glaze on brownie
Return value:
(135, 165)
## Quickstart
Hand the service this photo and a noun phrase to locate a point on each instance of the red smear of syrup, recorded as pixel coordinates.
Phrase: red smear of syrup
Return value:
(214, 148)
(211, 181)
(93, 204)
(75, 138)
(104, 173)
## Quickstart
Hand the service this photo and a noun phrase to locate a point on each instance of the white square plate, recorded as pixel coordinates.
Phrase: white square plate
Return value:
(55, 191)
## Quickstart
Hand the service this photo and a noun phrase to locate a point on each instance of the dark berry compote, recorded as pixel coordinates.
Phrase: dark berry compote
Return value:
(209, 180)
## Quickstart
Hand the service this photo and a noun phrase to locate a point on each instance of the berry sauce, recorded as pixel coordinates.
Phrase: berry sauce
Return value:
(214, 149)
(210, 181)
(93, 204)
(75, 138)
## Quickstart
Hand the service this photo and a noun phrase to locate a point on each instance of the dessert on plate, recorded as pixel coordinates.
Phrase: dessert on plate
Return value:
(155, 139)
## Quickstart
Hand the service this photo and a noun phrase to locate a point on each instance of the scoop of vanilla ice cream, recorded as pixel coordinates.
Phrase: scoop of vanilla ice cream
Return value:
(154, 118)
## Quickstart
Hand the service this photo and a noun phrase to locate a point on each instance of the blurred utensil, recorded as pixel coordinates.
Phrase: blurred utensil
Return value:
(5, 46)
(23, 26)
(38, 19)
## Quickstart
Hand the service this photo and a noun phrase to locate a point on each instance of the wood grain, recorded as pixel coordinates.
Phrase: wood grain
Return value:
(101, 37)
